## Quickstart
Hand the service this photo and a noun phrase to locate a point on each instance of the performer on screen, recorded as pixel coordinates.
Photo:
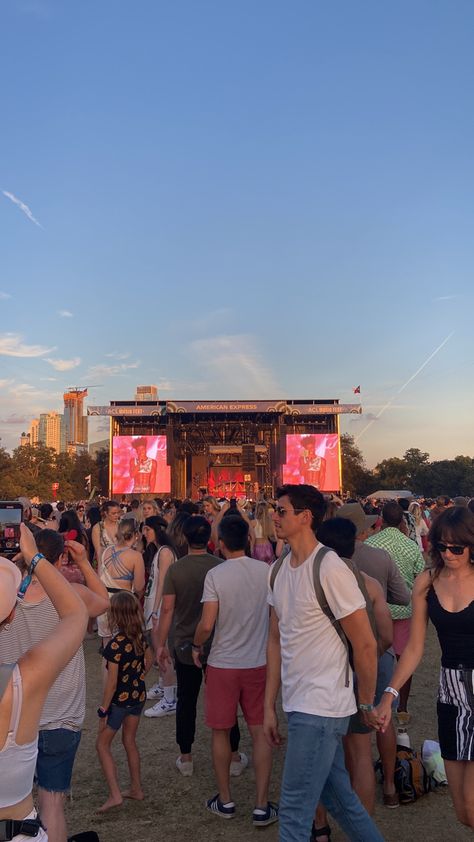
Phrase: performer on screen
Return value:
(142, 468)
(312, 466)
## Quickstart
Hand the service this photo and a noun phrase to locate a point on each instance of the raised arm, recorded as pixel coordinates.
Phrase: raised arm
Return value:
(93, 593)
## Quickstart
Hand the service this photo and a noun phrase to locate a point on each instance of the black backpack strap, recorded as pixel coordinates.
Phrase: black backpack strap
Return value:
(324, 605)
(276, 566)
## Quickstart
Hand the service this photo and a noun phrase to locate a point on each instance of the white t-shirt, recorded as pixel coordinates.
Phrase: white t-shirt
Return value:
(313, 657)
(239, 585)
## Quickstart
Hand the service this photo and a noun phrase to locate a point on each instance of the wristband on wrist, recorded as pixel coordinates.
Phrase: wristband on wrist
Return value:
(366, 708)
(102, 712)
(196, 648)
(34, 561)
(392, 690)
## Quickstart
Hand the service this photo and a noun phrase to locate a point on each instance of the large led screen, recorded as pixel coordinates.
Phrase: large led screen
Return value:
(313, 459)
(139, 465)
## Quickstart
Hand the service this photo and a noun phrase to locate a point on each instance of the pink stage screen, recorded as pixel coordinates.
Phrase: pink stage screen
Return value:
(313, 459)
(139, 465)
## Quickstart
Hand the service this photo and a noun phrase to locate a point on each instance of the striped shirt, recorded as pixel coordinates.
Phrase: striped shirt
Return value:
(65, 704)
(408, 558)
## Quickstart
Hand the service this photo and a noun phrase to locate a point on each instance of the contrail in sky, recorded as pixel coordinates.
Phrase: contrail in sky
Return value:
(26, 210)
(402, 388)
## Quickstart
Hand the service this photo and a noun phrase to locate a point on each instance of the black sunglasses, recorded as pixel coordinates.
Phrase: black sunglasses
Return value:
(282, 512)
(455, 549)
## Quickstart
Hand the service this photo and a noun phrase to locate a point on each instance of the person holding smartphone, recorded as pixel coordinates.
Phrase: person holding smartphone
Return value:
(25, 685)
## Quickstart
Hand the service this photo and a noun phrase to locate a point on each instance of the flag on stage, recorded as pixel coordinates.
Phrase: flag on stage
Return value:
(356, 390)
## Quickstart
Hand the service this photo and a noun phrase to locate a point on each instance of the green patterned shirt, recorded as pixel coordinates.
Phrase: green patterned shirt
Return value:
(408, 558)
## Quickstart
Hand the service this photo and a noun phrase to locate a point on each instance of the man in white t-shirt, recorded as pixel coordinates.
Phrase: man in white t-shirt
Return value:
(235, 601)
(306, 655)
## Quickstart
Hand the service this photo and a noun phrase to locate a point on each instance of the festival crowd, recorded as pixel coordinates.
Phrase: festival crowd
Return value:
(321, 602)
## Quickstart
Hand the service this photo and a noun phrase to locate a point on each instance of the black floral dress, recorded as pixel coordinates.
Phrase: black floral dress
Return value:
(130, 689)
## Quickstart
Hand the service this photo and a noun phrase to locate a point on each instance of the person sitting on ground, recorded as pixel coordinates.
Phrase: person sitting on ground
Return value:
(26, 684)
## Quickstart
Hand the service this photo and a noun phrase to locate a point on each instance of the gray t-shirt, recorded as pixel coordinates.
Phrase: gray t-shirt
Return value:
(239, 585)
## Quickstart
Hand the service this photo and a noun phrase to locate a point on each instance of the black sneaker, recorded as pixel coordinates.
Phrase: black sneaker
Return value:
(225, 811)
(263, 818)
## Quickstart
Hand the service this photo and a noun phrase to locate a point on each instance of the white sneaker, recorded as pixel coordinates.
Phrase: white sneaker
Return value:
(162, 708)
(186, 767)
(155, 693)
(238, 766)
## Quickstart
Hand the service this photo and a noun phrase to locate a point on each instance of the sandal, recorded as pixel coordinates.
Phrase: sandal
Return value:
(318, 832)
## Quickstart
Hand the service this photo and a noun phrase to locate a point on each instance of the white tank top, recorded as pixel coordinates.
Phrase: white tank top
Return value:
(17, 762)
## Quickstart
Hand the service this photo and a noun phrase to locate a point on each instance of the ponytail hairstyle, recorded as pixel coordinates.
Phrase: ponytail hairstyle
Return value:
(126, 615)
(127, 529)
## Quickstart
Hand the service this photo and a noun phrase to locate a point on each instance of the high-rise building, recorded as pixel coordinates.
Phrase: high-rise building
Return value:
(54, 429)
(146, 394)
(34, 432)
(75, 422)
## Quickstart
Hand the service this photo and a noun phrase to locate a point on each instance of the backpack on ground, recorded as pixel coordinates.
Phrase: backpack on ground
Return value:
(324, 605)
(411, 779)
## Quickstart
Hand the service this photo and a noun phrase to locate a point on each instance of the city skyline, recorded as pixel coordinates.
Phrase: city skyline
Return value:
(262, 201)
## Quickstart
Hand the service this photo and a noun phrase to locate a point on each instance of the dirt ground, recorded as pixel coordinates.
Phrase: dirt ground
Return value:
(173, 809)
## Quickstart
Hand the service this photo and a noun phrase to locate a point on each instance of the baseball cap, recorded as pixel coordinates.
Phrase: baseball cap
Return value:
(10, 580)
(355, 513)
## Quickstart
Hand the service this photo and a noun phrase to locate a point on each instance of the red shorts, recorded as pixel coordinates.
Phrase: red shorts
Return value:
(401, 634)
(226, 689)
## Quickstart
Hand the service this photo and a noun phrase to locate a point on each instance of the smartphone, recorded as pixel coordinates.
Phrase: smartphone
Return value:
(233, 503)
(11, 515)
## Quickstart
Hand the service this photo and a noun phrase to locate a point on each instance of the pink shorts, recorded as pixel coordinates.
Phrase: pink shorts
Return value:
(227, 688)
(401, 634)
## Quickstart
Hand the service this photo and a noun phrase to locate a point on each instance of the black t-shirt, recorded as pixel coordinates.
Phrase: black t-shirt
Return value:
(130, 689)
(185, 580)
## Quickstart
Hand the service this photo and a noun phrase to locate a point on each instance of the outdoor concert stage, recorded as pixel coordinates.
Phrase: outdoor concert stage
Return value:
(228, 448)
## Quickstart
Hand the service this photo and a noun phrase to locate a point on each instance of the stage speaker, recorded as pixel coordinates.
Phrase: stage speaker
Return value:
(248, 458)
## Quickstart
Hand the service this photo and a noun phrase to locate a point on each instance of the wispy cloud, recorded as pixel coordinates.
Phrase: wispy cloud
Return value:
(12, 345)
(235, 361)
(446, 297)
(116, 355)
(15, 419)
(23, 207)
(49, 379)
(63, 365)
(4, 296)
(5, 383)
(65, 314)
(97, 371)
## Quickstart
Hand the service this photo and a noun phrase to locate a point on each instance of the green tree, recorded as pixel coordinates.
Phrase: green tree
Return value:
(392, 473)
(357, 480)
(33, 471)
(102, 461)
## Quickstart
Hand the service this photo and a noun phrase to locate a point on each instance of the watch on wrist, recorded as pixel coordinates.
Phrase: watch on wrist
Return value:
(196, 648)
(366, 708)
(102, 713)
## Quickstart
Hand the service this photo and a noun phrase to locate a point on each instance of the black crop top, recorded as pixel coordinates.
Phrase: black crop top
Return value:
(455, 632)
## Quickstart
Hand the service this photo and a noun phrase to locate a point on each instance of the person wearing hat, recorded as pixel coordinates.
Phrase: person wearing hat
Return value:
(377, 562)
(24, 685)
(28, 515)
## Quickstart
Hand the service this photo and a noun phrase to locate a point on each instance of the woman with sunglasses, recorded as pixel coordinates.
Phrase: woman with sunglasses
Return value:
(445, 595)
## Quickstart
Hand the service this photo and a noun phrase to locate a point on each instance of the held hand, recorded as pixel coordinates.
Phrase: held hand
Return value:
(197, 659)
(27, 543)
(163, 657)
(78, 552)
(270, 728)
(371, 719)
(384, 711)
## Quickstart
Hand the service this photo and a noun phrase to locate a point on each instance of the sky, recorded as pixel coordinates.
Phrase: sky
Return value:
(241, 200)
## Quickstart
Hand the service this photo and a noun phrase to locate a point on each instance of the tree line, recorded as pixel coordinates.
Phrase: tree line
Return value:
(31, 471)
(414, 470)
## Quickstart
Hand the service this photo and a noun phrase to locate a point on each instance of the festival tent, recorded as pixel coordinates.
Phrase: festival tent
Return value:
(391, 495)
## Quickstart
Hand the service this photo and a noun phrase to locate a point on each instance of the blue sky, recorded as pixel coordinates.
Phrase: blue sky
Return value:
(240, 199)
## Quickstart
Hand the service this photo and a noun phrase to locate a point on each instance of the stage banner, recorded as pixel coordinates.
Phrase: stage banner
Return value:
(313, 459)
(139, 465)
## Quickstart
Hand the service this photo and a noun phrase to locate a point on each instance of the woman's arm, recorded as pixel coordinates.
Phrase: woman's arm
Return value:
(415, 647)
(110, 685)
(95, 537)
(42, 664)
(138, 573)
(93, 593)
(166, 558)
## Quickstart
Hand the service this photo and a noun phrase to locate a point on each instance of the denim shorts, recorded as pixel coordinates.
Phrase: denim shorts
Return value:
(118, 713)
(56, 754)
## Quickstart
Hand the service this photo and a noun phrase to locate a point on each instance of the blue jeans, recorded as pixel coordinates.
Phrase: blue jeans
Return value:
(315, 771)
